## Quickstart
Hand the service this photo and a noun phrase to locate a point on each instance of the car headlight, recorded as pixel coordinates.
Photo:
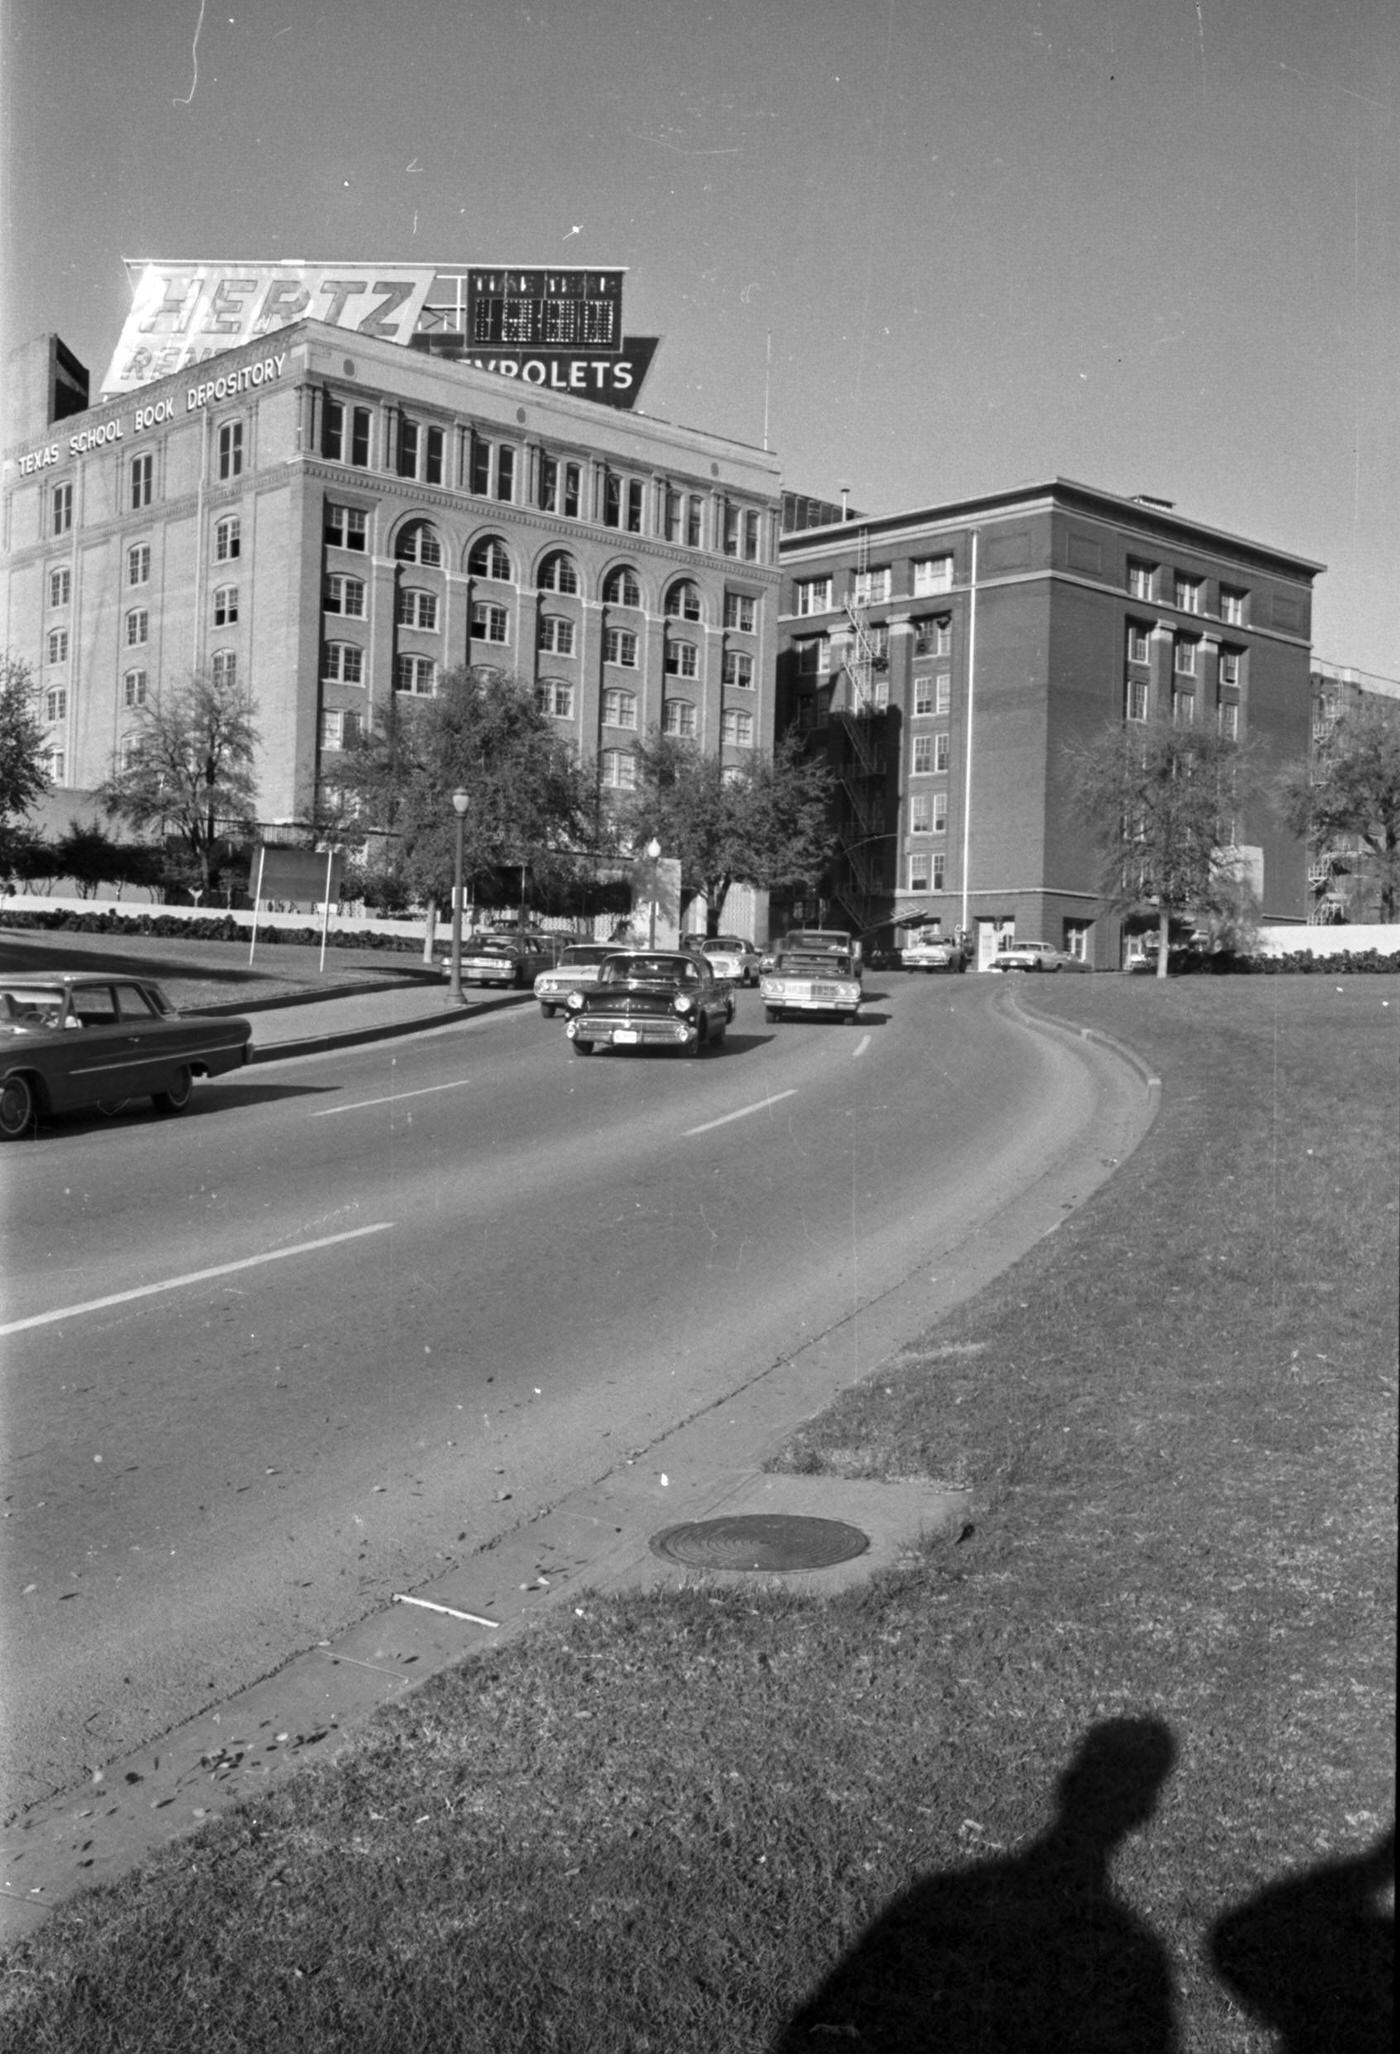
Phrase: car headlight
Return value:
(574, 1001)
(681, 1003)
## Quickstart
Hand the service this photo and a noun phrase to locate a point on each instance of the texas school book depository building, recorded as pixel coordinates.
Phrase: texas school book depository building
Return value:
(343, 505)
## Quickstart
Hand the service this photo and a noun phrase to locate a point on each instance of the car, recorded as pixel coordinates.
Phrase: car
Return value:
(931, 952)
(71, 1041)
(651, 998)
(810, 980)
(1029, 955)
(830, 940)
(512, 956)
(576, 969)
(748, 957)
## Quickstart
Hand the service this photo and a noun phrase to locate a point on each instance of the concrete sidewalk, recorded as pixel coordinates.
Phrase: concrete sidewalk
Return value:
(303, 1027)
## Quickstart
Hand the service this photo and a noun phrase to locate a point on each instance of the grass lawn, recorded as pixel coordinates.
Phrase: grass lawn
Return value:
(999, 1799)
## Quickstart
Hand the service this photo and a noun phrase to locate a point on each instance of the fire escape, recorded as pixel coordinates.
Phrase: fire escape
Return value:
(858, 723)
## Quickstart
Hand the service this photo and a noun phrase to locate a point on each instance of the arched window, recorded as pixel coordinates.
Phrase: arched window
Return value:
(559, 573)
(619, 707)
(622, 587)
(619, 769)
(223, 665)
(683, 601)
(418, 543)
(490, 559)
(682, 659)
(678, 718)
(555, 696)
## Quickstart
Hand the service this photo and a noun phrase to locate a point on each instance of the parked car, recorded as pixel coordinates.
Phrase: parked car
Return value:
(513, 957)
(931, 952)
(1028, 955)
(810, 980)
(651, 998)
(731, 945)
(576, 969)
(72, 1041)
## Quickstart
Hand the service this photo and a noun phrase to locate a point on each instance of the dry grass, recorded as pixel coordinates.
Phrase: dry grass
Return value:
(660, 1822)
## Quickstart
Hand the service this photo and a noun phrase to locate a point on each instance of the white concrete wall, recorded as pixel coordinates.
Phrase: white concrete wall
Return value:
(1328, 941)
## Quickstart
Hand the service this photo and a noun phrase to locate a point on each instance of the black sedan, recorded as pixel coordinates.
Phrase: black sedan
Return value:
(69, 1042)
(650, 998)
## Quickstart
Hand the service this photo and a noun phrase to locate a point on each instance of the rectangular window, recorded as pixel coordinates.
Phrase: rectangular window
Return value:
(345, 595)
(934, 637)
(620, 646)
(134, 688)
(923, 755)
(682, 660)
(332, 429)
(143, 473)
(417, 610)
(57, 764)
(940, 751)
(224, 666)
(231, 450)
(61, 508)
(932, 574)
(138, 564)
(940, 812)
(923, 695)
(560, 486)
(814, 656)
(1229, 718)
(694, 521)
(58, 645)
(360, 418)
(619, 707)
(61, 587)
(225, 605)
(505, 472)
(1142, 578)
(870, 588)
(939, 867)
(434, 445)
(738, 669)
(479, 467)
(921, 813)
(673, 515)
(556, 635)
(741, 532)
(812, 595)
(1183, 709)
(415, 674)
(1139, 642)
(56, 705)
(1186, 594)
(489, 623)
(1136, 707)
(1230, 666)
(555, 696)
(228, 539)
(736, 727)
(752, 535)
(622, 503)
(339, 730)
(919, 870)
(406, 460)
(347, 527)
(678, 718)
(1232, 605)
(619, 769)
(1184, 655)
(137, 627)
(942, 692)
(344, 664)
(740, 611)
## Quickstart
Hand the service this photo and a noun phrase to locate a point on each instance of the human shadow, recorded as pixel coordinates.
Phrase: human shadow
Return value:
(1031, 1954)
(1313, 1956)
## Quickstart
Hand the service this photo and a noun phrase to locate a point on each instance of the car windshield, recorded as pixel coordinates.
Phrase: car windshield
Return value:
(825, 961)
(592, 952)
(649, 969)
(31, 1005)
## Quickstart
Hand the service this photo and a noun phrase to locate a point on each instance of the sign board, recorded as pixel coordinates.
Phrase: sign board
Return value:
(305, 876)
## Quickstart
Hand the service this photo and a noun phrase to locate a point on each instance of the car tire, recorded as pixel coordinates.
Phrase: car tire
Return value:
(179, 1094)
(583, 1048)
(18, 1107)
(548, 1012)
(717, 1038)
(771, 1015)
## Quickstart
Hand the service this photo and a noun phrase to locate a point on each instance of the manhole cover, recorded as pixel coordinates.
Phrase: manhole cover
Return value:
(761, 1540)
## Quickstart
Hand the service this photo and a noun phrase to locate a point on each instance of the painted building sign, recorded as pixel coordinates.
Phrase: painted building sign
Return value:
(561, 329)
(123, 427)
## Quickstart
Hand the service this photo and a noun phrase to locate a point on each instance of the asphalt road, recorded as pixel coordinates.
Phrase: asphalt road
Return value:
(353, 1316)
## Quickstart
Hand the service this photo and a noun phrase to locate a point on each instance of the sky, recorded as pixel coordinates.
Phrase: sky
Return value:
(934, 249)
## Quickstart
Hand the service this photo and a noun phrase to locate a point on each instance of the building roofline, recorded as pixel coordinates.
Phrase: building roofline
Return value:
(1152, 516)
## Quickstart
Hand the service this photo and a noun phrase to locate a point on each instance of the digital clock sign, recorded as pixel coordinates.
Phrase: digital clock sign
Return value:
(545, 310)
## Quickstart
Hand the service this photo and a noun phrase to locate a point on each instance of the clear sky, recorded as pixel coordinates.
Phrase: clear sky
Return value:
(1148, 244)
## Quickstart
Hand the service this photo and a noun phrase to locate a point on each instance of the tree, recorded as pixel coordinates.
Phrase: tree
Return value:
(1160, 802)
(1350, 792)
(24, 776)
(528, 805)
(89, 856)
(765, 823)
(189, 770)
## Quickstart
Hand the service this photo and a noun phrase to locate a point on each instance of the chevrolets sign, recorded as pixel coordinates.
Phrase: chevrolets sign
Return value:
(182, 314)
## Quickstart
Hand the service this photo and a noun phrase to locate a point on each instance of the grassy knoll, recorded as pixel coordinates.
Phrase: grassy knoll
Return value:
(734, 1819)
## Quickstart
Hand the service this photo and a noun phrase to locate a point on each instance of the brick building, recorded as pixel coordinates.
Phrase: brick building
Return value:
(1342, 884)
(945, 656)
(331, 518)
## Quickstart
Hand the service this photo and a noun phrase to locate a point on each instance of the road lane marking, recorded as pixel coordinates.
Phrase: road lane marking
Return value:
(198, 1276)
(390, 1098)
(861, 1046)
(742, 1114)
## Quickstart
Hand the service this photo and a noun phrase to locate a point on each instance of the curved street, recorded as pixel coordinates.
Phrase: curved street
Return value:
(357, 1315)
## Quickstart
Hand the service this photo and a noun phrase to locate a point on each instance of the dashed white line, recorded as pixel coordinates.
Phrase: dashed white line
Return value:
(361, 1105)
(761, 1106)
(861, 1046)
(198, 1276)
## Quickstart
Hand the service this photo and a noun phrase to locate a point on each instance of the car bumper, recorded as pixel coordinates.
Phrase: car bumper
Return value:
(606, 1031)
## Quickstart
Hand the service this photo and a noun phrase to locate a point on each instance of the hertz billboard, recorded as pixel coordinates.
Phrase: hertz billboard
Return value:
(557, 328)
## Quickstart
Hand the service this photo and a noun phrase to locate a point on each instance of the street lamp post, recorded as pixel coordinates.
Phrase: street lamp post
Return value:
(460, 801)
(653, 857)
